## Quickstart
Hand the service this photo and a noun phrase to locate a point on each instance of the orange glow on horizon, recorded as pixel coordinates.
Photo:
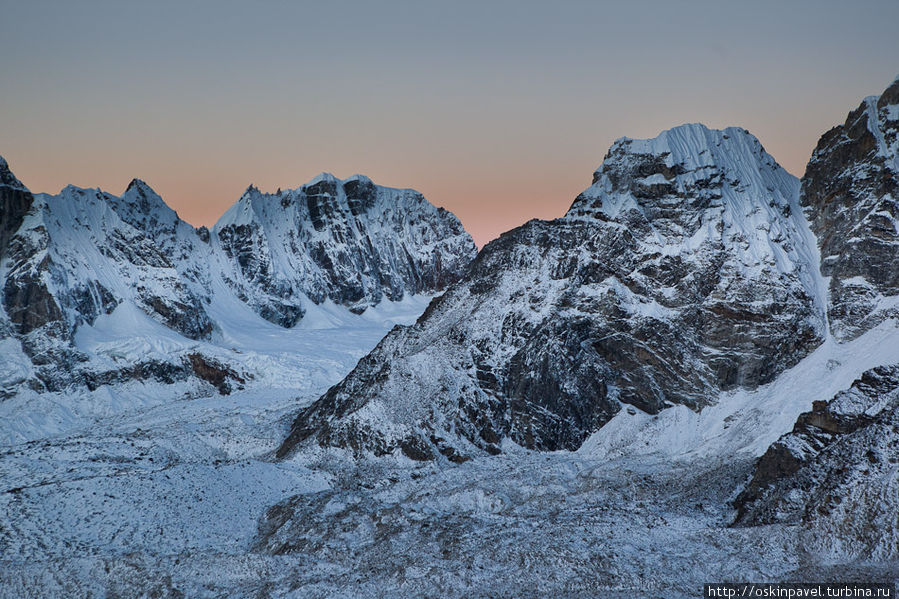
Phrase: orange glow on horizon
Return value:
(488, 203)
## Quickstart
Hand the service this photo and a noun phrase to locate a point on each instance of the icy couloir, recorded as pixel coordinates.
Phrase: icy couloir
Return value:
(685, 269)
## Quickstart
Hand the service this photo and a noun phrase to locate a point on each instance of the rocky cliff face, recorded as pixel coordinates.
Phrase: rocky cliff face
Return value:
(15, 201)
(69, 258)
(351, 242)
(835, 473)
(685, 269)
(850, 192)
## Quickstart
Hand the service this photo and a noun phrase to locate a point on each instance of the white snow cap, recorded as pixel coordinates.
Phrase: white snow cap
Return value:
(732, 159)
(689, 144)
(322, 177)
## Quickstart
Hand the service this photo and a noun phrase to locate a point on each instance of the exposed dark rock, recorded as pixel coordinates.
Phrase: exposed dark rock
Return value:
(214, 373)
(28, 303)
(224, 378)
(15, 201)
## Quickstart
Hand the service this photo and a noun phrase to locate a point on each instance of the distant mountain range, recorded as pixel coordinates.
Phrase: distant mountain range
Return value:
(69, 258)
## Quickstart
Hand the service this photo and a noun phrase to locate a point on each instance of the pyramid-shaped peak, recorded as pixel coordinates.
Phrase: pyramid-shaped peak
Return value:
(140, 186)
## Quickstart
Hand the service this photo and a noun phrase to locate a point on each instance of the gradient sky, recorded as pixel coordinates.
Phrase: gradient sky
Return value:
(498, 111)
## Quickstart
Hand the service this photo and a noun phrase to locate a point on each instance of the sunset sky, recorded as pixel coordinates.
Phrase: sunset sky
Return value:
(498, 111)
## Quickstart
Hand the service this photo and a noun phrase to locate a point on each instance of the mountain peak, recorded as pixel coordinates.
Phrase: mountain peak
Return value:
(637, 296)
(140, 186)
(15, 201)
(686, 165)
(74, 190)
(323, 177)
(359, 178)
(401, 243)
(890, 95)
(687, 142)
(247, 194)
(7, 178)
(849, 193)
(144, 197)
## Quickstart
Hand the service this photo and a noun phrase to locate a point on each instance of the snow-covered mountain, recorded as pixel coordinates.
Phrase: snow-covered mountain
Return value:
(351, 242)
(686, 269)
(73, 257)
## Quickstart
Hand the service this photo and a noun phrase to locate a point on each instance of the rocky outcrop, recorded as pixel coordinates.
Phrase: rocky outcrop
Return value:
(850, 192)
(685, 269)
(216, 374)
(351, 242)
(223, 378)
(835, 472)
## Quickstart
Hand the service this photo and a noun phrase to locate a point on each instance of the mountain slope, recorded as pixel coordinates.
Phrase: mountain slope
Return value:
(836, 471)
(72, 260)
(685, 269)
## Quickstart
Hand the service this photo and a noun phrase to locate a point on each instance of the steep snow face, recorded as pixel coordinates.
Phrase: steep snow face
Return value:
(693, 193)
(850, 192)
(685, 269)
(351, 242)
